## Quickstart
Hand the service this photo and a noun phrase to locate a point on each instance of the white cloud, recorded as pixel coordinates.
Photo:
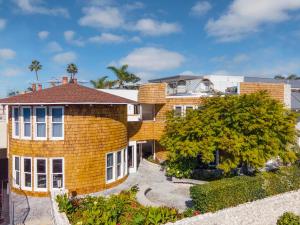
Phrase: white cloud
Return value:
(136, 39)
(11, 72)
(43, 34)
(155, 28)
(2, 24)
(240, 58)
(201, 8)
(187, 72)
(101, 17)
(134, 6)
(7, 54)
(38, 7)
(70, 38)
(245, 17)
(107, 38)
(53, 46)
(65, 57)
(153, 59)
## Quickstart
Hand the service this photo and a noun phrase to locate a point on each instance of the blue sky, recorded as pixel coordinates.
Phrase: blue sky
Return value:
(156, 38)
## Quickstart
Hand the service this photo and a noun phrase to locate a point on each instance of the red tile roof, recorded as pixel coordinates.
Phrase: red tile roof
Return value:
(66, 94)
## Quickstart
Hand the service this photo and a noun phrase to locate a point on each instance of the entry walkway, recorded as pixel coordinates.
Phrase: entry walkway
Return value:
(163, 192)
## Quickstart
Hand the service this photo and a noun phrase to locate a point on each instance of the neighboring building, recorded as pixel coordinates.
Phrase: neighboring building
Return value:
(88, 140)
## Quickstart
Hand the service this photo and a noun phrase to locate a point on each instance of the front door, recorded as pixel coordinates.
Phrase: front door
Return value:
(131, 157)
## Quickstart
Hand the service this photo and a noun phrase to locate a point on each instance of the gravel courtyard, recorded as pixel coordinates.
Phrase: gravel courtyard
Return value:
(261, 212)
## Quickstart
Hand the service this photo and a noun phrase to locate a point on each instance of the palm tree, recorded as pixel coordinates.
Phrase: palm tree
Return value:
(123, 76)
(102, 83)
(279, 77)
(293, 77)
(73, 70)
(35, 66)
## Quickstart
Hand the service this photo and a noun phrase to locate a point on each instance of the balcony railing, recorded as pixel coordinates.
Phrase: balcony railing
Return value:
(189, 87)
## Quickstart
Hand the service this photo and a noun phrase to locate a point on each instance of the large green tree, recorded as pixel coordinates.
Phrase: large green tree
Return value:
(247, 130)
(102, 82)
(123, 76)
(35, 66)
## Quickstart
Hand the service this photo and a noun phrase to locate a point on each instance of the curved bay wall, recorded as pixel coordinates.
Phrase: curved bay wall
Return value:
(89, 133)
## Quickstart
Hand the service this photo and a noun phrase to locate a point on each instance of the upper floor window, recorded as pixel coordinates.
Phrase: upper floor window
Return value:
(16, 122)
(26, 127)
(40, 123)
(182, 110)
(57, 124)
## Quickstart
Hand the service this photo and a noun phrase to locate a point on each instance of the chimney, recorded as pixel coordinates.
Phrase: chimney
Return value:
(75, 80)
(40, 87)
(64, 80)
(33, 87)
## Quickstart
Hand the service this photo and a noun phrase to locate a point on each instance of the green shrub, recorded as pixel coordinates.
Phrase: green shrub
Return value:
(116, 209)
(230, 192)
(288, 218)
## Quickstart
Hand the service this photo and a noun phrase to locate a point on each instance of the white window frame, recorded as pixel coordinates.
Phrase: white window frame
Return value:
(185, 108)
(51, 123)
(182, 109)
(35, 123)
(23, 174)
(120, 164)
(23, 123)
(14, 172)
(113, 168)
(36, 188)
(51, 173)
(13, 122)
(125, 167)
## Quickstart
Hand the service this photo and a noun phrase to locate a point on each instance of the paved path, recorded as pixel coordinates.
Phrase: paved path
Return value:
(163, 192)
(32, 211)
(261, 212)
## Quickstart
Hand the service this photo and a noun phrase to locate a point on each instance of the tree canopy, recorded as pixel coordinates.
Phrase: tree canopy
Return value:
(123, 76)
(102, 82)
(73, 70)
(245, 129)
(35, 66)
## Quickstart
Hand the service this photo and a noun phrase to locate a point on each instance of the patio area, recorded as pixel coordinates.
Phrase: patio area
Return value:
(158, 190)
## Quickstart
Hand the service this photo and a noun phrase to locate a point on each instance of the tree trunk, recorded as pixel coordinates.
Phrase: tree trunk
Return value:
(36, 75)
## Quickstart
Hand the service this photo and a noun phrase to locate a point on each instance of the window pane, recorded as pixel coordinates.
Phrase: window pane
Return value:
(18, 178)
(27, 179)
(27, 165)
(56, 130)
(40, 115)
(110, 160)
(57, 181)
(41, 130)
(109, 174)
(57, 166)
(27, 129)
(16, 114)
(178, 110)
(41, 166)
(17, 163)
(119, 157)
(17, 128)
(57, 115)
(118, 170)
(41, 181)
(26, 114)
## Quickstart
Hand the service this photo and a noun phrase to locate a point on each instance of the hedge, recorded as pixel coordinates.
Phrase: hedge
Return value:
(288, 218)
(230, 192)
